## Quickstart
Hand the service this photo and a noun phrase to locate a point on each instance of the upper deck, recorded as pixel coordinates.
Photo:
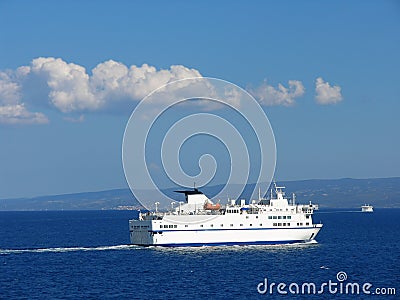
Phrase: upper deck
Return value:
(199, 204)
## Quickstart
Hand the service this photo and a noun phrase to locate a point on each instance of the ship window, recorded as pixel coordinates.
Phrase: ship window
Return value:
(275, 217)
(201, 225)
(251, 224)
(231, 225)
(307, 216)
(260, 224)
(288, 224)
(175, 226)
(241, 224)
(171, 226)
(279, 217)
(269, 217)
(279, 224)
(247, 217)
(161, 226)
(284, 224)
(222, 225)
(256, 217)
(274, 224)
(289, 217)
(212, 225)
(186, 225)
(284, 217)
(307, 223)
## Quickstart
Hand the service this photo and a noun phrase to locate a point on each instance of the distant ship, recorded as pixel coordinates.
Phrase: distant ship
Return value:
(200, 222)
(367, 208)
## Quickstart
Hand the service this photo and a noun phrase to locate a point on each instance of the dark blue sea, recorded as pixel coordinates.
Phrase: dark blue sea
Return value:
(84, 255)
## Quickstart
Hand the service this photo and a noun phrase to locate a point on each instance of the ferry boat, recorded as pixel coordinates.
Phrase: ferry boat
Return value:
(200, 222)
(367, 208)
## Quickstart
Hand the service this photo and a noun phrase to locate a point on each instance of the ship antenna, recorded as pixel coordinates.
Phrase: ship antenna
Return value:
(259, 193)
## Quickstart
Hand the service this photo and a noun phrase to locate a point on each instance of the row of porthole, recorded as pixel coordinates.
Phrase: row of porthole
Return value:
(168, 226)
(280, 217)
(231, 225)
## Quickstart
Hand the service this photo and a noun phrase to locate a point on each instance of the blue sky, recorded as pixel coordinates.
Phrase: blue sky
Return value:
(56, 137)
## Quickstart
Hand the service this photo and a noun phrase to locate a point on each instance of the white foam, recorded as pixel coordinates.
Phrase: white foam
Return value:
(207, 248)
(68, 249)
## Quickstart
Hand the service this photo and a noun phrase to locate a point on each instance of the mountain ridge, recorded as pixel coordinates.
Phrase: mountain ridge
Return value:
(328, 193)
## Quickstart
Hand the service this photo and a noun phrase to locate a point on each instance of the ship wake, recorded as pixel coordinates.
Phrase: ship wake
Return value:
(68, 249)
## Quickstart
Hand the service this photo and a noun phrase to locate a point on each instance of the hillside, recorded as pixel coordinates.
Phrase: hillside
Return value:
(337, 193)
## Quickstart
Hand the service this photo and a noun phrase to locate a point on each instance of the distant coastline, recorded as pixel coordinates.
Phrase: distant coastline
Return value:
(328, 193)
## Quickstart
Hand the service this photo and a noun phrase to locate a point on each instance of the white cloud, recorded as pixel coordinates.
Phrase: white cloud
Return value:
(68, 83)
(113, 80)
(72, 89)
(12, 111)
(269, 96)
(69, 88)
(18, 114)
(327, 94)
(9, 90)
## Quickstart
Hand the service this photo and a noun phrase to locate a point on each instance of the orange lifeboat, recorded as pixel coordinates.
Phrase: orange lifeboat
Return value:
(209, 206)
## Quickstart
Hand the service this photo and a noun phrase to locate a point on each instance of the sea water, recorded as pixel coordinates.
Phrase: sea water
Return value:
(86, 255)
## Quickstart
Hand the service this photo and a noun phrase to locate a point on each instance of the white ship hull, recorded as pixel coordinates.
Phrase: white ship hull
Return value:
(214, 237)
(228, 229)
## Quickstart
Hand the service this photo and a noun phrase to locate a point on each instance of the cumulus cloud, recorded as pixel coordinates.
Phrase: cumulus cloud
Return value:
(68, 84)
(12, 111)
(286, 96)
(70, 88)
(9, 90)
(18, 114)
(327, 94)
(113, 81)
(73, 89)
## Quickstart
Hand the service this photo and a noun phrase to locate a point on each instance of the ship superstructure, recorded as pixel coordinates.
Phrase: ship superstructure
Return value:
(199, 222)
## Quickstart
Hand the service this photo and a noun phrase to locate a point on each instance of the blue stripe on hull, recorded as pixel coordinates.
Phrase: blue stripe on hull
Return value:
(229, 243)
(230, 229)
